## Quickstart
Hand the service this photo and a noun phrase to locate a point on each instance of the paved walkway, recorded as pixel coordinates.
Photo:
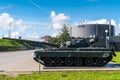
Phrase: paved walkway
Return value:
(23, 61)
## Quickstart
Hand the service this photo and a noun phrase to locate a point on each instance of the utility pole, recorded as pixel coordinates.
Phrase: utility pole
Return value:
(9, 30)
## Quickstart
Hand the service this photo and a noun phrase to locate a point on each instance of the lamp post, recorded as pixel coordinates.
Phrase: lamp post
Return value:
(9, 30)
(106, 42)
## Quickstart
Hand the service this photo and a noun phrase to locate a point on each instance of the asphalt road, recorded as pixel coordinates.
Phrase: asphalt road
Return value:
(23, 61)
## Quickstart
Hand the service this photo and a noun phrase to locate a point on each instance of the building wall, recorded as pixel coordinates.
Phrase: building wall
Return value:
(92, 30)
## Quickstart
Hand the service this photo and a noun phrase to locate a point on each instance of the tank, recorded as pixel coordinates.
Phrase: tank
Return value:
(75, 54)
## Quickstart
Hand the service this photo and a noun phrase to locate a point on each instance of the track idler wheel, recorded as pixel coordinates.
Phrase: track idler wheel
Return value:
(89, 61)
(78, 61)
(68, 61)
(100, 62)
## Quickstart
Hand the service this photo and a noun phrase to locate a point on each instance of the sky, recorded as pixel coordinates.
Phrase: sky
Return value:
(32, 19)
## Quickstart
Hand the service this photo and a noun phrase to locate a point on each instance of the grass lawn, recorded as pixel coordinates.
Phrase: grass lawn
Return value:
(5, 42)
(6, 45)
(75, 75)
(117, 58)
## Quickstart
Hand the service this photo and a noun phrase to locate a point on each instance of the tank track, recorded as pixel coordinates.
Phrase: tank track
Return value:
(74, 61)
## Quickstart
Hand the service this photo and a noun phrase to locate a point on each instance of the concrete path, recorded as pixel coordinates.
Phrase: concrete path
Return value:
(18, 61)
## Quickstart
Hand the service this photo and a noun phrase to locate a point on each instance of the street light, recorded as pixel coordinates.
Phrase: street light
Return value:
(9, 30)
(106, 42)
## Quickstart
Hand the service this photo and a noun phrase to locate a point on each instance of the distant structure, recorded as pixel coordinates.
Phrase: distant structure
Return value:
(92, 30)
(46, 38)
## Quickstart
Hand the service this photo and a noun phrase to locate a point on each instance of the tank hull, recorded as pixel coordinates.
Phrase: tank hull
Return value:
(74, 56)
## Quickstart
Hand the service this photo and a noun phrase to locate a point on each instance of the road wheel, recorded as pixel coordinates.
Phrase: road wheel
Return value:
(68, 61)
(48, 61)
(99, 62)
(89, 62)
(58, 61)
(78, 61)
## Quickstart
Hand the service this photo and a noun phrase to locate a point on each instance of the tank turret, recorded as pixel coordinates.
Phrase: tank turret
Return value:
(81, 42)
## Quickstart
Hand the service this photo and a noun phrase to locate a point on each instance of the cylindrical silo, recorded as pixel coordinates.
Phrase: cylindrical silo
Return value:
(92, 30)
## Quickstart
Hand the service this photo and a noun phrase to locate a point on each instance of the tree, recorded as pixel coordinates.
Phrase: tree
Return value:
(55, 40)
(63, 37)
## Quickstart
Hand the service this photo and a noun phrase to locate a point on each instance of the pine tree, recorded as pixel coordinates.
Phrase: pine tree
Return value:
(63, 37)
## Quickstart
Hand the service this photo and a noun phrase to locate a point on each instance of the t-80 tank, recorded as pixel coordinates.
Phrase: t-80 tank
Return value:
(75, 56)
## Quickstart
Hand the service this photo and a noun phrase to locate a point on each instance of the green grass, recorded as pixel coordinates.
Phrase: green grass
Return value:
(117, 58)
(9, 45)
(5, 42)
(86, 75)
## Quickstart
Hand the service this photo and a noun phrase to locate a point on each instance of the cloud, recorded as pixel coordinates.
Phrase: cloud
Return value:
(15, 35)
(36, 23)
(17, 26)
(55, 33)
(33, 36)
(6, 7)
(100, 21)
(21, 26)
(58, 21)
(113, 22)
(5, 19)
